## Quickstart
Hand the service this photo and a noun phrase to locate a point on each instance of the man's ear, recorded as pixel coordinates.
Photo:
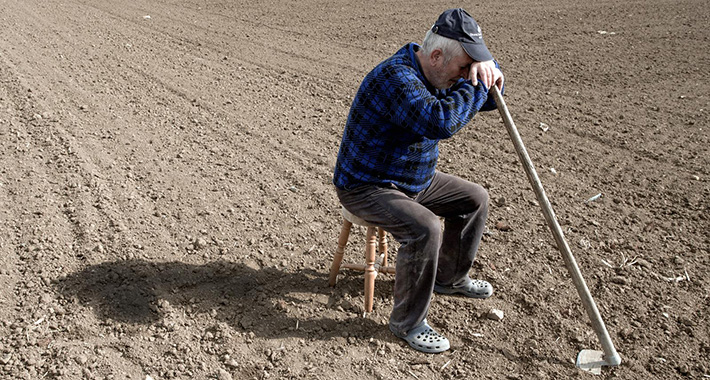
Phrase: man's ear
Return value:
(436, 57)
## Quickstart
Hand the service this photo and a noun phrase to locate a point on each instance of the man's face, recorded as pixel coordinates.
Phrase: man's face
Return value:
(446, 75)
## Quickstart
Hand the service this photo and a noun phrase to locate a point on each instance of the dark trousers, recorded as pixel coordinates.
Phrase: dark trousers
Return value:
(425, 254)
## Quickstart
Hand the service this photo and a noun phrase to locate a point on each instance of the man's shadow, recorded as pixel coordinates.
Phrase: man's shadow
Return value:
(268, 302)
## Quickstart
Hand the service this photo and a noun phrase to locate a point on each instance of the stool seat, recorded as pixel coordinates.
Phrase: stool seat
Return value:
(375, 237)
(354, 219)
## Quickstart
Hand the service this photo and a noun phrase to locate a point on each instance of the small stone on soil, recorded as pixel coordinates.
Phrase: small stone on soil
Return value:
(501, 226)
(644, 263)
(495, 315)
(200, 243)
(231, 363)
(81, 359)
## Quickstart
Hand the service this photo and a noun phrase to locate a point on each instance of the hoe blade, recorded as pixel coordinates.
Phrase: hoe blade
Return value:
(591, 361)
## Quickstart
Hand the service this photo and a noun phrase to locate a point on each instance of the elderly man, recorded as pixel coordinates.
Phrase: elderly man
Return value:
(386, 167)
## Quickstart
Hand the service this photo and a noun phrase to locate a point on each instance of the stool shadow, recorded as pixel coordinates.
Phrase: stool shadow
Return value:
(262, 301)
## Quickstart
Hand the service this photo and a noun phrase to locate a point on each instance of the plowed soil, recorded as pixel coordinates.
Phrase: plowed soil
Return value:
(167, 212)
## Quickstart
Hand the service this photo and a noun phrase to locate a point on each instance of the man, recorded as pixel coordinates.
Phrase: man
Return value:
(386, 167)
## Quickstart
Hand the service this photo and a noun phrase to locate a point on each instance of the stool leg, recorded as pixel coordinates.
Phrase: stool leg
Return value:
(370, 272)
(382, 237)
(338, 258)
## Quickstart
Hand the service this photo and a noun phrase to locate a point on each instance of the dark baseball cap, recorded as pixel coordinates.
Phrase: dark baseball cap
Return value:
(458, 25)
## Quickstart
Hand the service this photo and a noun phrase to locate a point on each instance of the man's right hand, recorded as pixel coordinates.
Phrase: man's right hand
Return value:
(488, 73)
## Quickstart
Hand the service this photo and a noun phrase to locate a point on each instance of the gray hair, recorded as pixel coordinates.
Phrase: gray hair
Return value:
(449, 47)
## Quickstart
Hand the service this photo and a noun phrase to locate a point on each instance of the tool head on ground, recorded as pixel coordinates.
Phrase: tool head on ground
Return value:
(593, 360)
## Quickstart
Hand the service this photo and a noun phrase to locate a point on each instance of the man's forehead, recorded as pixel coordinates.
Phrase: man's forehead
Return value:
(463, 59)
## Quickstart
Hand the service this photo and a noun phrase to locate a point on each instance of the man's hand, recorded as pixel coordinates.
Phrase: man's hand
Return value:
(488, 73)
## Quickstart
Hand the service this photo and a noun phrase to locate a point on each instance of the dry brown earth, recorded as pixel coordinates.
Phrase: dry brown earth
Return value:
(166, 208)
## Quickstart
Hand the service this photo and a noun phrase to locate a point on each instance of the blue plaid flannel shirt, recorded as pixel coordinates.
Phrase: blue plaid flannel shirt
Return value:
(396, 121)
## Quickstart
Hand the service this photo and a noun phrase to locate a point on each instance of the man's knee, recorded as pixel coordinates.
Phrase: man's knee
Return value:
(427, 227)
(477, 196)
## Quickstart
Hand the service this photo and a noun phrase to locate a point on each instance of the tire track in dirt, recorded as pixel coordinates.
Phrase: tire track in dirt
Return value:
(42, 184)
(88, 195)
(32, 123)
(183, 93)
(253, 150)
(94, 173)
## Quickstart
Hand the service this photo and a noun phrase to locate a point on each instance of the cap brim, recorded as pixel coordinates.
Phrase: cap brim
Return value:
(477, 52)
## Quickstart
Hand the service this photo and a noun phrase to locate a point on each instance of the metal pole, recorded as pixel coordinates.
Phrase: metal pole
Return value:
(587, 359)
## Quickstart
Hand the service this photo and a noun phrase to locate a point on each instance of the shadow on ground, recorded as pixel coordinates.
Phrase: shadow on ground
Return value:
(268, 302)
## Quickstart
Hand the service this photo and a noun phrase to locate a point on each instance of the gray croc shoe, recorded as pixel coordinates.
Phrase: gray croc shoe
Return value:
(468, 288)
(423, 338)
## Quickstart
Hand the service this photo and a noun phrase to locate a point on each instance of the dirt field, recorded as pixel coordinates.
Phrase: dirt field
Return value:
(166, 207)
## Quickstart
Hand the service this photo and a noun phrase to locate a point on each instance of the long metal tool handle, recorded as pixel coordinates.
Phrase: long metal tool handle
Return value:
(611, 357)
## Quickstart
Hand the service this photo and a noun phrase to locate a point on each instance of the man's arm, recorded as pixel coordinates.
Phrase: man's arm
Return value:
(411, 104)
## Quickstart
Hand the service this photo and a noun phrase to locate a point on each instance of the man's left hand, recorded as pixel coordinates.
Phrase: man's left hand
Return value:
(487, 72)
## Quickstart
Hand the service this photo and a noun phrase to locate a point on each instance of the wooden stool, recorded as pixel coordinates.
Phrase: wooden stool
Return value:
(371, 267)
